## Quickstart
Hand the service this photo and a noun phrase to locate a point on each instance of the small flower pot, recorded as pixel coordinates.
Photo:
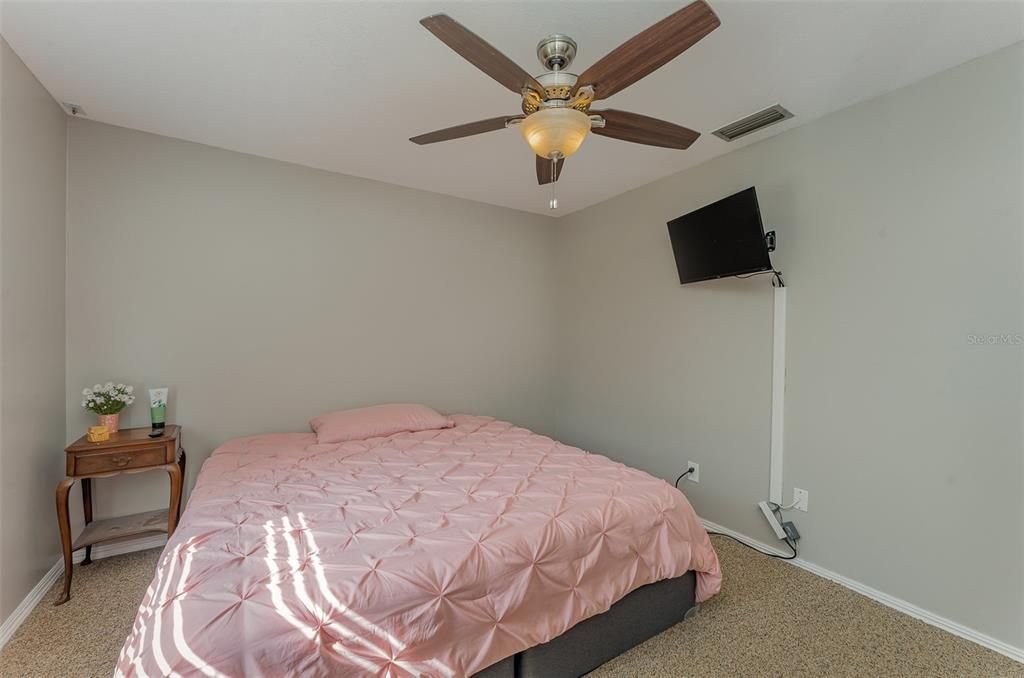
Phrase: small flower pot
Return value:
(111, 421)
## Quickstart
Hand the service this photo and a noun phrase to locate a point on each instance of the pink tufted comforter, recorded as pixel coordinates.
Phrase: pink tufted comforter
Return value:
(435, 553)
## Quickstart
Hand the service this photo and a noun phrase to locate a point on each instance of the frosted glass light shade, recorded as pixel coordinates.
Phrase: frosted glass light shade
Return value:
(558, 131)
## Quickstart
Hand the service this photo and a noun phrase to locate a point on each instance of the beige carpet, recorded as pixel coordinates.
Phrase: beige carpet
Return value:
(771, 619)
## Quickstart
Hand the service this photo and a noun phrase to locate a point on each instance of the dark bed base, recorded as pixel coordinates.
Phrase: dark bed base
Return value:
(642, 614)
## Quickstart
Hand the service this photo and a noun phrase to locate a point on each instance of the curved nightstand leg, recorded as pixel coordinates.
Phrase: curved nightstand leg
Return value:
(174, 472)
(87, 513)
(64, 521)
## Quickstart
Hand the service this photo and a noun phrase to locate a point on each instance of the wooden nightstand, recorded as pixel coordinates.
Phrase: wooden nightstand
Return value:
(127, 451)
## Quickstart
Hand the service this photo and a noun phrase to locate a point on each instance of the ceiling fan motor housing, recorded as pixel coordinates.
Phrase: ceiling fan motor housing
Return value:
(556, 52)
(557, 87)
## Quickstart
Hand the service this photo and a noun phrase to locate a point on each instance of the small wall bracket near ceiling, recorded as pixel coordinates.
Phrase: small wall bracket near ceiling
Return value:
(73, 109)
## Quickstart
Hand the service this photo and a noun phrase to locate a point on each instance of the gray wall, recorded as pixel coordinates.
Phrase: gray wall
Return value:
(32, 249)
(264, 293)
(900, 224)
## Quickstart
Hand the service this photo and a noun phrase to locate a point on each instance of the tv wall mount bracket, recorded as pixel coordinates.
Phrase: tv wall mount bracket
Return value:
(769, 241)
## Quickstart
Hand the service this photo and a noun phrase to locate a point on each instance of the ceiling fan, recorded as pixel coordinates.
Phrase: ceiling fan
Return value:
(556, 104)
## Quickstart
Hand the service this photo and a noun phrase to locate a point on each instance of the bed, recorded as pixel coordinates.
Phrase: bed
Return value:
(478, 549)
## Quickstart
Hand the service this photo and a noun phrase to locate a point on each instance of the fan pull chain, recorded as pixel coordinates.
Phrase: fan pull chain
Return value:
(553, 204)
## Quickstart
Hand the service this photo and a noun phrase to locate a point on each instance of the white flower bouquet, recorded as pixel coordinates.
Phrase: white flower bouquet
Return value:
(109, 398)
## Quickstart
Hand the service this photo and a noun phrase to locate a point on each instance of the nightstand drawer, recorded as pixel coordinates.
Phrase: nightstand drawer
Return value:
(118, 460)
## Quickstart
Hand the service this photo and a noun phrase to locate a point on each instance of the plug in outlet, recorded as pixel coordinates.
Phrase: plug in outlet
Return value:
(791, 532)
(695, 476)
(800, 498)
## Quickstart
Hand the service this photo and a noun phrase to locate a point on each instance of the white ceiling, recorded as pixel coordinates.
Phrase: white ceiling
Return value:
(342, 85)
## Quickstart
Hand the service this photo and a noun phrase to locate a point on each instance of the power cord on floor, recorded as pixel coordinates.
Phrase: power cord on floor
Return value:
(776, 509)
(754, 548)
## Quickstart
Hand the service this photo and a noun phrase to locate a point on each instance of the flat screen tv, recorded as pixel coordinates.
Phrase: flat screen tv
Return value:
(719, 240)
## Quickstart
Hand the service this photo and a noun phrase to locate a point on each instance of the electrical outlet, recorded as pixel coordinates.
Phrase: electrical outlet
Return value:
(695, 476)
(800, 498)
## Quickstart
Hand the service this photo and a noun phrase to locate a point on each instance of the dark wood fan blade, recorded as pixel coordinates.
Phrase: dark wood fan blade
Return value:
(649, 50)
(544, 170)
(478, 52)
(641, 129)
(466, 130)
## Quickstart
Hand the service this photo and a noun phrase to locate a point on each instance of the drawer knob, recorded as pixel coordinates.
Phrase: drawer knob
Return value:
(121, 461)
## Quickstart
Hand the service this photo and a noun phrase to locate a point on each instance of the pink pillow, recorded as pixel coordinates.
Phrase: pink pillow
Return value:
(379, 420)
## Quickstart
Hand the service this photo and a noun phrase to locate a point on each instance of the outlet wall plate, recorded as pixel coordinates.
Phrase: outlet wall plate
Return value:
(695, 476)
(800, 498)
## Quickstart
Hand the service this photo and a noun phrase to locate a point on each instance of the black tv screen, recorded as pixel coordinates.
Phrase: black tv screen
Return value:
(725, 238)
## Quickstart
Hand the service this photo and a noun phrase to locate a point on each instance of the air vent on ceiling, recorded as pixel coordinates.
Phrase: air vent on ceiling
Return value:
(752, 123)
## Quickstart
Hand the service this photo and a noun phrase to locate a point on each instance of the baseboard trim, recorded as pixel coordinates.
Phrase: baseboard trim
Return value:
(29, 603)
(38, 592)
(965, 632)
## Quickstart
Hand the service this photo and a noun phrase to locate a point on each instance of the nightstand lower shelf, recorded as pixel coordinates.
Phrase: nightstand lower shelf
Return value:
(122, 527)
